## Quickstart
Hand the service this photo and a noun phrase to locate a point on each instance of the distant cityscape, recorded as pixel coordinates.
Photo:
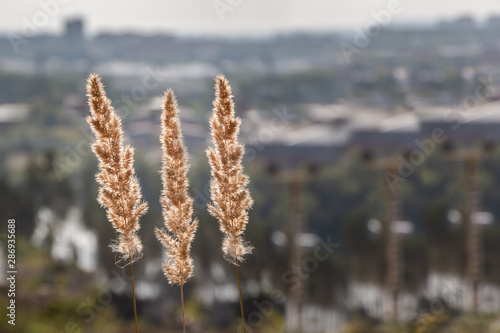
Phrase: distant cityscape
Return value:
(409, 78)
(462, 40)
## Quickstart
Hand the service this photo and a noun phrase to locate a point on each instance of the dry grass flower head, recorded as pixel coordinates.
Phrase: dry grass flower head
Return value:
(230, 196)
(119, 191)
(175, 200)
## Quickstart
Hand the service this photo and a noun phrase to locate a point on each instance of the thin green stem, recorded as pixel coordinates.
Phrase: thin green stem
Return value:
(133, 293)
(241, 296)
(182, 303)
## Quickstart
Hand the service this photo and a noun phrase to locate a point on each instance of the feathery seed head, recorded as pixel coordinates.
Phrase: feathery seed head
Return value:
(119, 192)
(175, 200)
(230, 196)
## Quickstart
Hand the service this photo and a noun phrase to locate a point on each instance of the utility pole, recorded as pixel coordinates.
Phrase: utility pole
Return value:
(296, 251)
(470, 158)
(472, 229)
(393, 260)
(295, 180)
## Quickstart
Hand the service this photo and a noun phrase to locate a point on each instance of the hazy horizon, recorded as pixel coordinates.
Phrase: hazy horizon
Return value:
(233, 17)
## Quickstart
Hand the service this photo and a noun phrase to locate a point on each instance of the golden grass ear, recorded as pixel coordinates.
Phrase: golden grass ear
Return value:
(230, 196)
(122, 199)
(119, 192)
(176, 203)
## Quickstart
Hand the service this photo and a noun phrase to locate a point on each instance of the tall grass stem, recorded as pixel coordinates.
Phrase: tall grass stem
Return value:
(182, 304)
(241, 296)
(133, 293)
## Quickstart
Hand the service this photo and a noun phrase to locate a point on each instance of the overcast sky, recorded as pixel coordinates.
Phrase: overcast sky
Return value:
(238, 16)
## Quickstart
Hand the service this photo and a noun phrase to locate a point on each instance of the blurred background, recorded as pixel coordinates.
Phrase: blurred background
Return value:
(371, 133)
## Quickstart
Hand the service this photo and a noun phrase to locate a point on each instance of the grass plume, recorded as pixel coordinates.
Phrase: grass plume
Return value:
(230, 196)
(119, 191)
(175, 200)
